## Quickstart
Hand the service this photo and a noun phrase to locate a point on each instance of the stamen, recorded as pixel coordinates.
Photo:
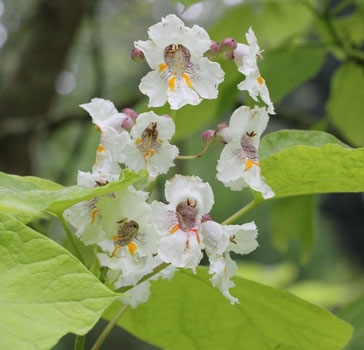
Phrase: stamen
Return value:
(178, 61)
(186, 214)
(93, 215)
(126, 233)
(149, 143)
(115, 250)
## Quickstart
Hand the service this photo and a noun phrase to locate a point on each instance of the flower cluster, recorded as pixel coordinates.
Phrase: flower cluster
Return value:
(136, 236)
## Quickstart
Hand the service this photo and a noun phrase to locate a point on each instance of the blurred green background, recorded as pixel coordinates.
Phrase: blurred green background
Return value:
(58, 54)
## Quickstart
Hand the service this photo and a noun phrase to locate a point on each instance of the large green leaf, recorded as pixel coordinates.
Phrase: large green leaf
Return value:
(292, 169)
(45, 292)
(280, 140)
(286, 68)
(28, 197)
(354, 313)
(188, 313)
(346, 102)
(293, 218)
(273, 21)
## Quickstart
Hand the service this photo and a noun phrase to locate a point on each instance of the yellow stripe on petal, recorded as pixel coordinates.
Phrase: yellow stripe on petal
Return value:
(162, 67)
(148, 154)
(249, 164)
(260, 80)
(187, 79)
(132, 248)
(174, 229)
(100, 149)
(172, 83)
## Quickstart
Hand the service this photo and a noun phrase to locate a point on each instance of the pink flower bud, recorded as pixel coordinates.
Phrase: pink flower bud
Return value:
(213, 51)
(206, 217)
(228, 44)
(130, 113)
(137, 55)
(207, 135)
(128, 123)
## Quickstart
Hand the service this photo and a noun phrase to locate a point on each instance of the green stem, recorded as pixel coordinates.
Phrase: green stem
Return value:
(71, 238)
(240, 212)
(200, 154)
(80, 342)
(174, 114)
(149, 275)
(108, 328)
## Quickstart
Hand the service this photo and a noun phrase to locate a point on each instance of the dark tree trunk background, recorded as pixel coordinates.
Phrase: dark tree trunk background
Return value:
(27, 98)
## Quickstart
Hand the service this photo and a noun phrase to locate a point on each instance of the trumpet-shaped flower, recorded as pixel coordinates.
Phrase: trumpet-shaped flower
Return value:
(149, 147)
(180, 74)
(219, 241)
(113, 136)
(179, 222)
(239, 165)
(245, 57)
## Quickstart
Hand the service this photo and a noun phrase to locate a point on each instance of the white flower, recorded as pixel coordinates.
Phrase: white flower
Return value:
(238, 165)
(245, 57)
(113, 136)
(222, 267)
(219, 240)
(179, 222)
(84, 216)
(149, 147)
(180, 74)
(126, 221)
(140, 293)
(104, 114)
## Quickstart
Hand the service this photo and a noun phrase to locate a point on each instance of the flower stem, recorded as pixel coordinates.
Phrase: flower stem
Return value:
(174, 114)
(200, 154)
(108, 328)
(71, 238)
(80, 342)
(157, 269)
(240, 212)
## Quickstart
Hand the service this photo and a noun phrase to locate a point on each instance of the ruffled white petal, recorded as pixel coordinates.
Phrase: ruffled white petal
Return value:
(181, 249)
(222, 267)
(104, 114)
(180, 188)
(243, 238)
(155, 87)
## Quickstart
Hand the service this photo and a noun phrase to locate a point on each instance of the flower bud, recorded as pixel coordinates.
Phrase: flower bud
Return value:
(228, 44)
(207, 135)
(130, 113)
(128, 123)
(206, 217)
(137, 55)
(213, 51)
